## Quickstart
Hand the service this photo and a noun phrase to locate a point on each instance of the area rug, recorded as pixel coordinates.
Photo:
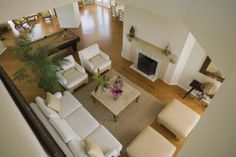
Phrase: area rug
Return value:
(132, 119)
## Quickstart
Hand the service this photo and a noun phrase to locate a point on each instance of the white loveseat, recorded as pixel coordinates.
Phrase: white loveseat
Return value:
(73, 124)
(73, 75)
(93, 59)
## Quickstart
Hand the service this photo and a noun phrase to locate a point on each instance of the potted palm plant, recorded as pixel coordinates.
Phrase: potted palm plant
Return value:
(102, 82)
(37, 65)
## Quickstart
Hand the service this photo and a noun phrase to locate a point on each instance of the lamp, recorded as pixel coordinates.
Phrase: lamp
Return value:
(209, 87)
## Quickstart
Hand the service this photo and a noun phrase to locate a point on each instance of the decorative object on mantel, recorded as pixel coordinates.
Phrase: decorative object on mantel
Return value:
(167, 50)
(116, 88)
(172, 57)
(132, 32)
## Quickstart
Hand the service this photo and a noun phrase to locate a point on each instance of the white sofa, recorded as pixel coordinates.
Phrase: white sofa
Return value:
(93, 59)
(73, 124)
(73, 75)
(178, 118)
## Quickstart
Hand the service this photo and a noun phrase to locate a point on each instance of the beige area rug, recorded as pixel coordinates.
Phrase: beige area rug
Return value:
(132, 119)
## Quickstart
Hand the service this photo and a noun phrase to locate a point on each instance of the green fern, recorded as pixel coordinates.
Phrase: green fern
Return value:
(37, 66)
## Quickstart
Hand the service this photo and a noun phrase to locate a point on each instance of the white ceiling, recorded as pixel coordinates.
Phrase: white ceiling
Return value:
(174, 9)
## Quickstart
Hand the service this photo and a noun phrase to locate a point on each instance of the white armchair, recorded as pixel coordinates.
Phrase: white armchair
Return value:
(93, 59)
(73, 75)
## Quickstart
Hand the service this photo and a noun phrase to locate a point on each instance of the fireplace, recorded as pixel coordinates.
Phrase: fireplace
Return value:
(146, 64)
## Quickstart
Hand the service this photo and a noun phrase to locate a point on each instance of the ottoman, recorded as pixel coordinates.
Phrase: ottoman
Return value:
(149, 143)
(178, 118)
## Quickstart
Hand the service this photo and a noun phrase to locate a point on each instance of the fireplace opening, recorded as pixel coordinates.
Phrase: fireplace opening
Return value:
(146, 64)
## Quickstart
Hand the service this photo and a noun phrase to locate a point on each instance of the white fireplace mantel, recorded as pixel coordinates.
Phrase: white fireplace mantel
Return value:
(172, 58)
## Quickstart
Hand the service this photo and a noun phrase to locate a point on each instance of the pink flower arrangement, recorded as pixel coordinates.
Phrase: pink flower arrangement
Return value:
(116, 90)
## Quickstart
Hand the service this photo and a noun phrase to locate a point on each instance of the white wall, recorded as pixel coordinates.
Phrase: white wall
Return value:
(215, 134)
(15, 8)
(193, 65)
(17, 138)
(156, 30)
(183, 58)
(174, 9)
(213, 24)
(68, 15)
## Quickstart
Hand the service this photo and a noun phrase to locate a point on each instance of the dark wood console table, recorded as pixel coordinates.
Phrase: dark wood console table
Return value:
(195, 85)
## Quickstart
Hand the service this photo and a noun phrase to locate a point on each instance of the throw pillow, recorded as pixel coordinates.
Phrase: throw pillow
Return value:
(92, 149)
(53, 102)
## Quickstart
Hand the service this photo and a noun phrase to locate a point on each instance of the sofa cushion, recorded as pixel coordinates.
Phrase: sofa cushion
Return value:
(74, 78)
(77, 148)
(99, 62)
(112, 153)
(63, 129)
(53, 102)
(82, 122)
(97, 58)
(92, 149)
(48, 112)
(68, 72)
(102, 137)
(68, 104)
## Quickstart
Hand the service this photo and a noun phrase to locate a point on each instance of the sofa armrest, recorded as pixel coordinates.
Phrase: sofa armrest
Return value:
(89, 64)
(79, 68)
(62, 79)
(112, 153)
(104, 55)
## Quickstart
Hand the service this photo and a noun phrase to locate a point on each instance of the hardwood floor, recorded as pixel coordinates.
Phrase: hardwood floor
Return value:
(97, 25)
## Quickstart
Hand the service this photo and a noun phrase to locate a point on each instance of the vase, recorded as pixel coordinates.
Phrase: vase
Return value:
(132, 32)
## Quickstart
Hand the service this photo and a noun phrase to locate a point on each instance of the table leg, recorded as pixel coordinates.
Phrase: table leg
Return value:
(115, 117)
(188, 92)
(74, 46)
(93, 100)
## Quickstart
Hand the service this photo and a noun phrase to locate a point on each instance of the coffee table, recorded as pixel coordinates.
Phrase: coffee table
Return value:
(129, 95)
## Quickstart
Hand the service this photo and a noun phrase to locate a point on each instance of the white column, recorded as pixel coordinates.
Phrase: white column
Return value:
(68, 15)
(173, 75)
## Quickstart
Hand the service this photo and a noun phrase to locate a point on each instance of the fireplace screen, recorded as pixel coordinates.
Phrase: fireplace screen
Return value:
(146, 64)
